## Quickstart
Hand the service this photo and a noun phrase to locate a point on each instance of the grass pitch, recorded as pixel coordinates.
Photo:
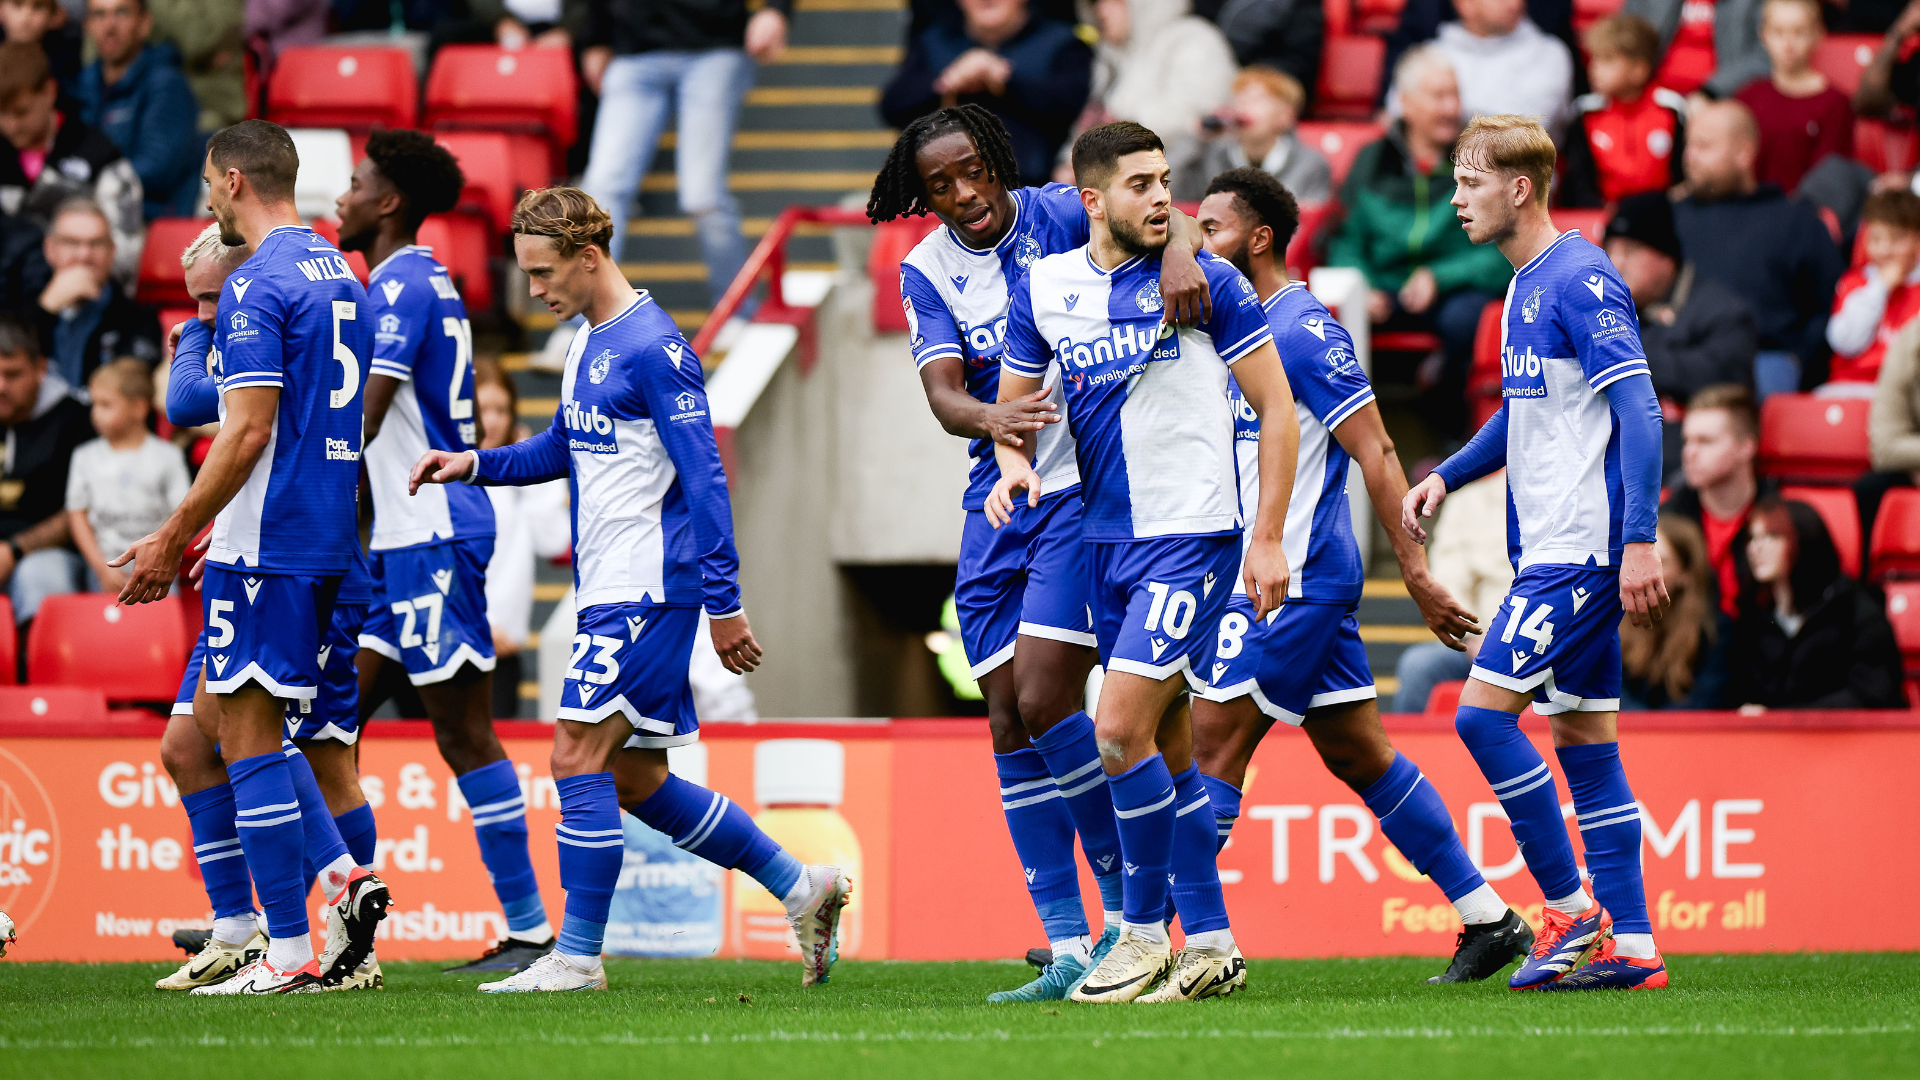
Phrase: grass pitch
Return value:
(1831, 1015)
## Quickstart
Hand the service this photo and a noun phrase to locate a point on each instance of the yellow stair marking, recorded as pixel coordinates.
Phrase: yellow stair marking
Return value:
(549, 590)
(1395, 635)
(841, 54)
(813, 95)
(1383, 588)
(801, 140)
(849, 5)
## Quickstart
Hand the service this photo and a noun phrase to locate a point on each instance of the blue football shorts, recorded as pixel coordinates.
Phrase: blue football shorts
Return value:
(430, 609)
(266, 629)
(631, 660)
(332, 714)
(1157, 603)
(1303, 656)
(1557, 637)
(1027, 577)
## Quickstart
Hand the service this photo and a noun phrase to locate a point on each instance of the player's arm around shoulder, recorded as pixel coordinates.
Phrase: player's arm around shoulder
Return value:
(1023, 371)
(1185, 287)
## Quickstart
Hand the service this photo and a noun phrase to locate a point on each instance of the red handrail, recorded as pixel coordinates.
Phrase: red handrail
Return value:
(769, 257)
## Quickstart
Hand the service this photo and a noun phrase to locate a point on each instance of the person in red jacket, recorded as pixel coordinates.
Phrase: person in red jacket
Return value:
(1627, 137)
(1876, 301)
(1802, 117)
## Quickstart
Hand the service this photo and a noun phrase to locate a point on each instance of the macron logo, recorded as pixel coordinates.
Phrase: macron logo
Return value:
(1579, 599)
(1030, 872)
(586, 692)
(960, 285)
(1597, 286)
(1519, 658)
(1316, 327)
(443, 580)
(1158, 645)
(240, 288)
(1072, 299)
(673, 354)
(1206, 587)
(252, 586)
(634, 626)
(220, 664)
(1219, 670)
(324, 653)
(391, 287)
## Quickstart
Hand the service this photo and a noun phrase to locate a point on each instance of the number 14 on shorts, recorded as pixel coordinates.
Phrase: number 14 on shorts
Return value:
(1528, 623)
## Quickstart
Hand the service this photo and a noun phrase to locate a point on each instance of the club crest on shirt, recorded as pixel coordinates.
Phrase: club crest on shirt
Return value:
(1025, 251)
(1148, 298)
(597, 370)
(1530, 310)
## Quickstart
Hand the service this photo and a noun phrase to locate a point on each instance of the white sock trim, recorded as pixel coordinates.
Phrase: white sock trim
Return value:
(534, 935)
(1079, 948)
(235, 930)
(1574, 903)
(1211, 942)
(333, 877)
(1113, 920)
(290, 953)
(1481, 906)
(1635, 946)
(1155, 932)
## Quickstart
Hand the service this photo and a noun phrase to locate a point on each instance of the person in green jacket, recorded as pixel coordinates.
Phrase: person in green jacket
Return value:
(1401, 233)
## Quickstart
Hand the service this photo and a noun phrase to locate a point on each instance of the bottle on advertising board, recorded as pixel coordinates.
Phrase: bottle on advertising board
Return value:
(668, 902)
(799, 784)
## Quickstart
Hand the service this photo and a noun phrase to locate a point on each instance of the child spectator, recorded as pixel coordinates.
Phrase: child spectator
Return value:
(46, 24)
(1876, 301)
(1626, 138)
(1802, 118)
(1256, 128)
(122, 485)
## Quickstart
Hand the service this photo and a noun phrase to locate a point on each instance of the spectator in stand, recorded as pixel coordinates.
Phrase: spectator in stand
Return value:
(1802, 119)
(86, 319)
(1626, 137)
(135, 94)
(1807, 636)
(1722, 438)
(207, 35)
(1893, 426)
(529, 523)
(693, 56)
(56, 158)
(1749, 236)
(1420, 21)
(43, 424)
(46, 24)
(1157, 65)
(125, 483)
(1469, 557)
(1864, 16)
(273, 25)
(1710, 47)
(1030, 71)
(23, 262)
(1893, 78)
(1401, 233)
(1876, 301)
(1696, 331)
(516, 24)
(1286, 35)
(1505, 64)
(1679, 662)
(1256, 128)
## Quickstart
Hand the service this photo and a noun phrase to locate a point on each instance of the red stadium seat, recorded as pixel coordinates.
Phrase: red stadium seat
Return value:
(65, 704)
(1377, 16)
(1336, 17)
(1903, 611)
(1339, 142)
(333, 87)
(1591, 223)
(463, 245)
(1444, 698)
(1350, 72)
(1895, 548)
(1409, 341)
(1303, 251)
(1483, 377)
(1588, 12)
(1843, 58)
(1885, 145)
(161, 282)
(494, 175)
(1812, 440)
(128, 653)
(891, 243)
(9, 644)
(1841, 514)
(484, 87)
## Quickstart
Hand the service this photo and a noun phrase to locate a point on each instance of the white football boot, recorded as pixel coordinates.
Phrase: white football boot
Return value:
(823, 892)
(261, 977)
(551, 972)
(1133, 966)
(1197, 975)
(217, 962)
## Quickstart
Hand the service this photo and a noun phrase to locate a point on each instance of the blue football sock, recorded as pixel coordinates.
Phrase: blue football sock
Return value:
(357, 829)
(1143, 803)
(1073, 759)
(267, 815)
(1610, 829)
(1226, 807)
(1414, 818)
(216, 847)
(1043, 838)
(1525, 787)
(1196, 873)
(710, 825)
(321, 835)
(500, 824)
(592, 846)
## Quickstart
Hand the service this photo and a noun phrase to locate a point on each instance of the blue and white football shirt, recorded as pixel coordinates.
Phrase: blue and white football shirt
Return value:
(651, 519)
(1328, 387)
(1147, 402)
(422, 338)
(955, 299)
(1568, 332)
(294, 317)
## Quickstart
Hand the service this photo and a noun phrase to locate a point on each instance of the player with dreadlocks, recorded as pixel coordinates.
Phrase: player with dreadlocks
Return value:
(1021, 591)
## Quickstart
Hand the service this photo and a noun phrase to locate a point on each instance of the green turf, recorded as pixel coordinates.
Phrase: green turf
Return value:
(1802, 1015)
